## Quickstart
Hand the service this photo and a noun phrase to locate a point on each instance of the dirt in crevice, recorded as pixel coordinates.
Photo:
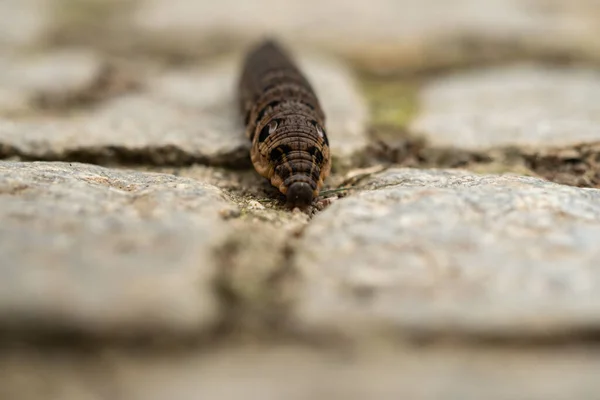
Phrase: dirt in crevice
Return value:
(574, 166)
(140, 157)
(256, 281)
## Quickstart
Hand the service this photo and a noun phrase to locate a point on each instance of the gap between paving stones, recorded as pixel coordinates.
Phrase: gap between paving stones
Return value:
(255, 282)
(159, 156)
(576, 165)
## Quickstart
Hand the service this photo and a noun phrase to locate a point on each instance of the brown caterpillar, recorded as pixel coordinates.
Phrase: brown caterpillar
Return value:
(285, 124)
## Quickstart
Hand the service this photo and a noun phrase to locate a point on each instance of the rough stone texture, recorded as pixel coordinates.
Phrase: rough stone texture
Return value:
(526, 106)
(449, 252)
(384, 33)
(27, 81)
(184, 116)
(91, 250)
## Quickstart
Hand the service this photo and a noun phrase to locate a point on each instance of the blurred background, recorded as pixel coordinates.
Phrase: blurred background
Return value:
(380, 35)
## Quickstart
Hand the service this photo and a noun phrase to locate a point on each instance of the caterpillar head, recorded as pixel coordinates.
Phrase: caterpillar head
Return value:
(299, 194)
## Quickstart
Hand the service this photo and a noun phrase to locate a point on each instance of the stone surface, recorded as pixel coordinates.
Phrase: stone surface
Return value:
(184, 116)
(22, 22)
(383, 33)
(28, 81)
(294, 372)
(98, 251)
(449, 252)
(523, 106)
(135, 128)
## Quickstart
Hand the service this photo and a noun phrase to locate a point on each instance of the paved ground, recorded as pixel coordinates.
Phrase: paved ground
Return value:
(453, 253)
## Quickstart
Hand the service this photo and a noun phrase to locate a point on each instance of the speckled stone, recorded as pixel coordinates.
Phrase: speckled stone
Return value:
(423, 252)
(102, 252)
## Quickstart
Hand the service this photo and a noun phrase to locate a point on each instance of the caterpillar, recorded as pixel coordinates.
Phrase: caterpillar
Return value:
(285, 123)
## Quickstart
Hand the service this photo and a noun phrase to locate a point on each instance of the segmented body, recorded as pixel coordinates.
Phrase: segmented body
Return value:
(285, 123)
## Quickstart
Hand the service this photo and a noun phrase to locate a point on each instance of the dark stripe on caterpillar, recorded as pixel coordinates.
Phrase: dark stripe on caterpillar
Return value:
(316, 154)
(277, 153)
(285, 123)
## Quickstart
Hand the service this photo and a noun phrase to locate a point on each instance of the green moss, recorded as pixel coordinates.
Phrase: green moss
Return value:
(392, 102)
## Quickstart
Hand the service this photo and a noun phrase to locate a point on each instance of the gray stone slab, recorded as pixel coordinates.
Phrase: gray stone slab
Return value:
(97, 251)
(449, 252)
(526, 106)
(133, 128)
(26, 80)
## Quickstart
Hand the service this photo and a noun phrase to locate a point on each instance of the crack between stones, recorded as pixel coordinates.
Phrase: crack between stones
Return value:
(160, 156)
(254, 294)
(577, 165)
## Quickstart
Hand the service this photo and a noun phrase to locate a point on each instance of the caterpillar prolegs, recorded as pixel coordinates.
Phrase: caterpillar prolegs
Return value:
(285, 123)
